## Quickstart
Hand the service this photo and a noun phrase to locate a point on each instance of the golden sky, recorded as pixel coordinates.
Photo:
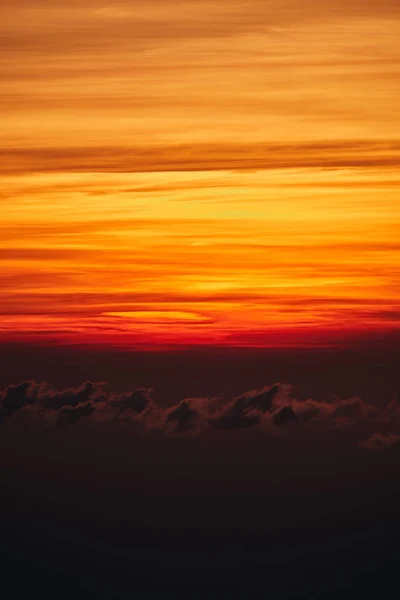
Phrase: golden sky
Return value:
(210, 172)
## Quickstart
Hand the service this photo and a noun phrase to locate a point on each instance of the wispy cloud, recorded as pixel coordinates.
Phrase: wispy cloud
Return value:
(202, 157)
(233, 162)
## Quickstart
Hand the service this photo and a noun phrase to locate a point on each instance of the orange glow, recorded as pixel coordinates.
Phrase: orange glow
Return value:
(201, 173)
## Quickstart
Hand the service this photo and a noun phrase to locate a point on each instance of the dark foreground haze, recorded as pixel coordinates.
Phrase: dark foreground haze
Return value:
(257, 472)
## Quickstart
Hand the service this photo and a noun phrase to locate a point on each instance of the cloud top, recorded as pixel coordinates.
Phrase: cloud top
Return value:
(272, 409)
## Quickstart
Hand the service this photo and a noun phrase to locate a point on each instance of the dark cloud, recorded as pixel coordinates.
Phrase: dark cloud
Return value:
(71, 397)
(269, 409)
(284, 415)
(261, 400)
(380, 441)
(182, 417)
(69, 405)
(235, 421)
(352, 408)
(71, 415)
(311, 412)
(246, 410)
(14, 398)
(137, 401)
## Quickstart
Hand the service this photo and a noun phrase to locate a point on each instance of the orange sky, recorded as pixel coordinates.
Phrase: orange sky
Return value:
(210, 172)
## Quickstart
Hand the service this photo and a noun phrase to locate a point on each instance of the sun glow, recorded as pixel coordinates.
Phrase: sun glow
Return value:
(214, 174)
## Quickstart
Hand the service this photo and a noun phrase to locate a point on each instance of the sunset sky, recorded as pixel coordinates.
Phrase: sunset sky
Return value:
(212, 172)
(199, 299)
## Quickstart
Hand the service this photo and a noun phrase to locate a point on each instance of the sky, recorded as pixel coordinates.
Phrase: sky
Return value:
(199, 298)
(199, 173)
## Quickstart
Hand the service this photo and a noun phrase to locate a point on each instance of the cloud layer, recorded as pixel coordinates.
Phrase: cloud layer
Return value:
(272, 410)
(357, 153)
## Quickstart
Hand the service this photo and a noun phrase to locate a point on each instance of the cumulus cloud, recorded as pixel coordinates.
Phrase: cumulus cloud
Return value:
(272, 409)
(14, 398)
(42, 398)
(71, 397)
(137, 402)
(183, 418)
(246, 410)
(71, 415)
(284, 415)
(31, 400)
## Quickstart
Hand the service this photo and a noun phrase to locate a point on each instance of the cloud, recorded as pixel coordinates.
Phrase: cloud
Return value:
(14, 398)
(71, 415)
(380, 441)
(351, 409)
(246, 410)
(160, 24)
(271, 409)
(30, 399)
(71, 397)
(183, 418)
(202, 157)
(284, 415)
(138, 401)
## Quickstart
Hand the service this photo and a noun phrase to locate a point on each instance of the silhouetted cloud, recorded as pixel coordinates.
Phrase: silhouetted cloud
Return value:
(272, 409)
(182, 417)
(14, 398)
(70, 405)
(71, 415)
(380, 441)
(137, 401)
(70, 397)
(284, 415)
(246, 410)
